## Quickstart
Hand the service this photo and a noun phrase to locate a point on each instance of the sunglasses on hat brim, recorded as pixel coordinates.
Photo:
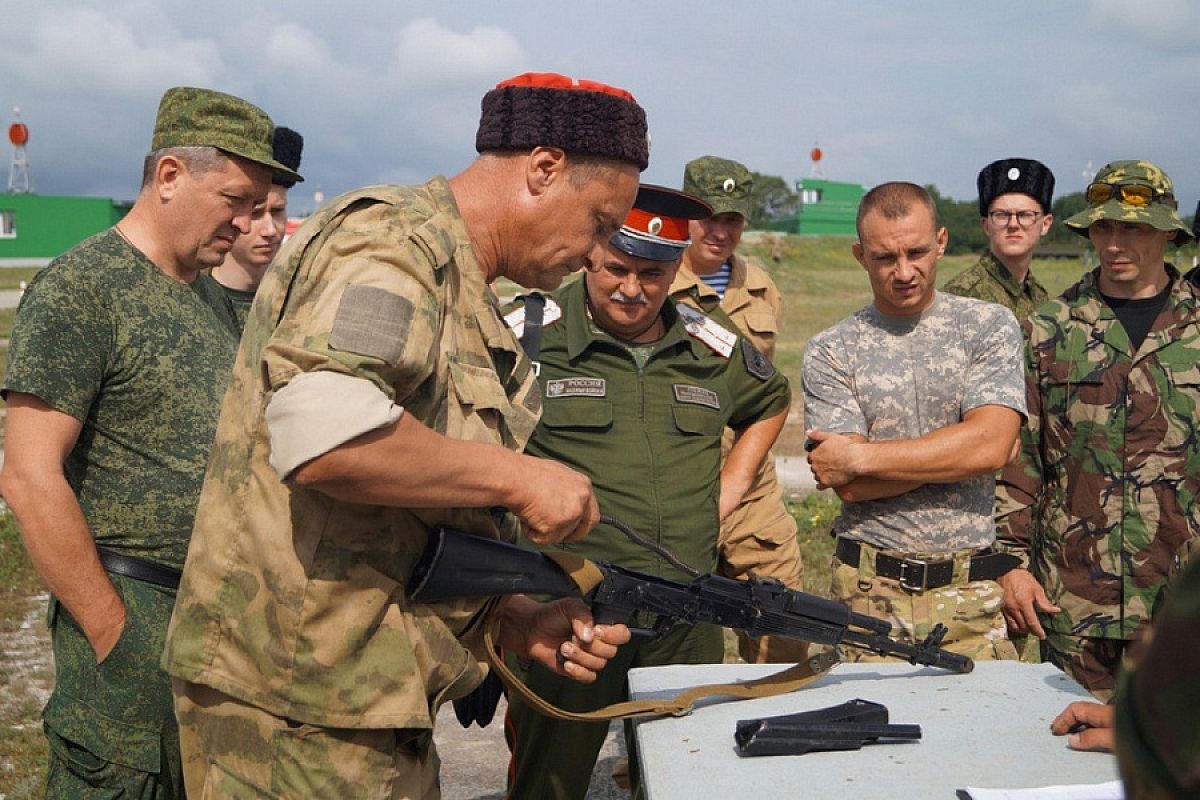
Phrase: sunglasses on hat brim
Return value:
(1130, 194)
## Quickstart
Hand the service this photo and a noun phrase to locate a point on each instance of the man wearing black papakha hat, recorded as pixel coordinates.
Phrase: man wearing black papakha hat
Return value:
(380, 394)
(1014, 210)
(242, 271)
(637, 392)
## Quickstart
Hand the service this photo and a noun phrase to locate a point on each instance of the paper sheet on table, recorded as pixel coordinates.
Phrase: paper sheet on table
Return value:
(1091, 791)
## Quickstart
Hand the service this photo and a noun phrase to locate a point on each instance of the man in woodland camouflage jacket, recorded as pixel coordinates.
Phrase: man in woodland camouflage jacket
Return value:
(1102, 500)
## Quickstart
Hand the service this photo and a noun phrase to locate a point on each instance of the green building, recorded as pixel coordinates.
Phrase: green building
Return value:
(827, 208)
(36, 228)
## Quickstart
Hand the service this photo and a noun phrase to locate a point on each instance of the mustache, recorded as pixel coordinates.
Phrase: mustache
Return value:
(640, 300)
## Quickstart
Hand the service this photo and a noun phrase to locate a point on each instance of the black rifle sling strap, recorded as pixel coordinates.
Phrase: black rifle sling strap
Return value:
(586, 576)
(531, 336)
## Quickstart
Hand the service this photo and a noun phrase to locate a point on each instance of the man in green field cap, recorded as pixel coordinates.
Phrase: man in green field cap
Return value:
(117, 366)
(758, 533)
(1102, 501)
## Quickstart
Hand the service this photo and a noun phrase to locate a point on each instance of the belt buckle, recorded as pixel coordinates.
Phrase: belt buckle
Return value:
(905, 580)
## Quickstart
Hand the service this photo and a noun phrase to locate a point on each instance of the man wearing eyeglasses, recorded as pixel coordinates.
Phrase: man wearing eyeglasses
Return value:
(1102, 499)
(1014, 211)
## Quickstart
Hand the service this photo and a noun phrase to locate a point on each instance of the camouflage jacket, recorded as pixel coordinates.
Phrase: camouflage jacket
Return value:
(751, 301)
(1102, 499)
(1158, 701)
(990, 280)
(292, 600)
(894, 378)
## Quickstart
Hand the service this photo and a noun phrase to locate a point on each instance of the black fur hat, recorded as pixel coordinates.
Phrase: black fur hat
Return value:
(1023, 175)
(288, 146)
(551, 110)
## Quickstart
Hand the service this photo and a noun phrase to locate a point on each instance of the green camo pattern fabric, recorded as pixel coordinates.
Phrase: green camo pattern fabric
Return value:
(1103, 496)
(989, 280)
(1158, 740)
(294, 601)
(723, 184)
(142, 361)
(1156, 215)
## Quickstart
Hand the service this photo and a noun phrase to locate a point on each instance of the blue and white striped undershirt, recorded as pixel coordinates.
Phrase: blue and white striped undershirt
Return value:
(718, 281)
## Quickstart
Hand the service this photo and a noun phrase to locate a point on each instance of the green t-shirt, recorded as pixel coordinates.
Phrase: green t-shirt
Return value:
(241, 300)
(142, 361)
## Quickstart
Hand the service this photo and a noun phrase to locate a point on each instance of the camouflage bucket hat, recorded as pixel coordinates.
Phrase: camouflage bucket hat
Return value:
(723, 184)
(1159, 213)
(191, 117)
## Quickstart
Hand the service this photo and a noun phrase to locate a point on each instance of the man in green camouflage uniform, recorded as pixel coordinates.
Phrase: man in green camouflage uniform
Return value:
(912, 404)
(1102, 500)
(378, 393)
(1158, 702)
(1014, 211)
(242, 270)
(637, 393)
(119, 358)
(759, 533)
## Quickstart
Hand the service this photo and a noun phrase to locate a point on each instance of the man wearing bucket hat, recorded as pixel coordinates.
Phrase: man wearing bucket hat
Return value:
(379, 395)
(637, 391)
(117, 365)
(1102, 500)
(242, 272)
(758, 532)
(1014, 211)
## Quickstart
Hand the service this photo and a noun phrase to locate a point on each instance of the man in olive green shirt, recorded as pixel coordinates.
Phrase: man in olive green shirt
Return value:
(1014, 210)
(637, 392)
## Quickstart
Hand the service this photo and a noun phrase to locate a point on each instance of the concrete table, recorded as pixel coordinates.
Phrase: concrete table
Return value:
(990, 728)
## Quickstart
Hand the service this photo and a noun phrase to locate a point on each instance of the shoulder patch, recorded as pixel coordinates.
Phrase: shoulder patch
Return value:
(371, 322)
(516, 317)
(704, 328)
(757, 364)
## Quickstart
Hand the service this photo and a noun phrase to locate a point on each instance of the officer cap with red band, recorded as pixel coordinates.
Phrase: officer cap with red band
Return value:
(657, 227)
(545, 109)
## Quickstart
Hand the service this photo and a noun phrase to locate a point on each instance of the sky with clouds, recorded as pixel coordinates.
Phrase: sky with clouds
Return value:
(387, 91)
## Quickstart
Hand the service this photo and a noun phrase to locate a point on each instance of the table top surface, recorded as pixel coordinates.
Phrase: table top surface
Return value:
(990, 728)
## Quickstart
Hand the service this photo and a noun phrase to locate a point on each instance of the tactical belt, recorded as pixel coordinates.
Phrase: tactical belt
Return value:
(139, 569)
(919, 575)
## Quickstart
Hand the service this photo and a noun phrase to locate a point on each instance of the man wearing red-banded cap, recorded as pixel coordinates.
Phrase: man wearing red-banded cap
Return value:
(378, 393)
(637, 392)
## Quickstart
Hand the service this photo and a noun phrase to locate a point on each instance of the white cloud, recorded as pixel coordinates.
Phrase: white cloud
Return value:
(1161, 22)
(428, 54)
(61, 50)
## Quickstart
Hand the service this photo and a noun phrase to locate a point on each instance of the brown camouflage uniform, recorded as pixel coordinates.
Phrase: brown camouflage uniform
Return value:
(990, 280)
(293, 603)
(759, 535)
(1158, 703)
(1102, 500)
(892, 378)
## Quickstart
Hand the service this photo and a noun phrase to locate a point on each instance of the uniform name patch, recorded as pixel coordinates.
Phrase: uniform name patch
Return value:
(576, 387)
(696, 395)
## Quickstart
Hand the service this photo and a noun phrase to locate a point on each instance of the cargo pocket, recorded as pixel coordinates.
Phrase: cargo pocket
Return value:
(481, 407)
(698, 421)
(763, 328)
(592, 413)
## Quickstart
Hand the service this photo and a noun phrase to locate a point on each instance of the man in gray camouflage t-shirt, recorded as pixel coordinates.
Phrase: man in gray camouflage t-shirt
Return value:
(911, 405)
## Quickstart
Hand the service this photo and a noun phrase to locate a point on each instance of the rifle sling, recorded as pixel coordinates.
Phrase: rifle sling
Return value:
(782, 682)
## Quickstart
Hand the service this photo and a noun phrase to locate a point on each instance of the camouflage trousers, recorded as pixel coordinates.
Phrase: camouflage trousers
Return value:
(760, 536)
(1091, 661)
(110, 726)
(553, 759)
(969, 610)
(232, 749)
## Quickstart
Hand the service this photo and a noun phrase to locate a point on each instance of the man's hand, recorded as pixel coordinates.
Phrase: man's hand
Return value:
(1023, 598)
(560, 636)
(831, 458)
(732, 492)
(555, 503)
(1087, 725)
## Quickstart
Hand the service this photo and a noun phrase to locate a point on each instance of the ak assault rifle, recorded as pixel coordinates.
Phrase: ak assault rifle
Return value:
(458, 565)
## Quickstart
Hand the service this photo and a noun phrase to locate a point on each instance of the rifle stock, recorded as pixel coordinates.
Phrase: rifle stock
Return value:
(457, 565)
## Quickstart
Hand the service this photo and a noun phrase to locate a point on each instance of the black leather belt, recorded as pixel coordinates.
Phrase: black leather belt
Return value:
(918, 575)
(139, 569)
